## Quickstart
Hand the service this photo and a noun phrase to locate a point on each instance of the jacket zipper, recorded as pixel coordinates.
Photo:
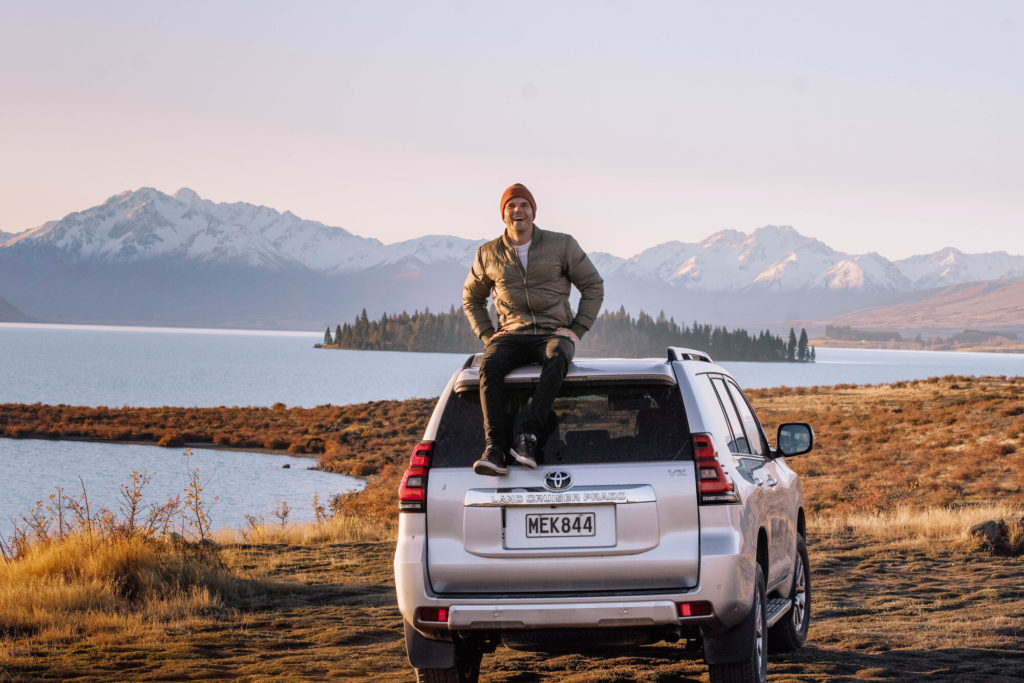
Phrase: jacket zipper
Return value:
(526, 286)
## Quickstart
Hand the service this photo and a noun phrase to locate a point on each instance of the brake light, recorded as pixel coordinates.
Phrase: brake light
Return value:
(412, 492)
(713, 484)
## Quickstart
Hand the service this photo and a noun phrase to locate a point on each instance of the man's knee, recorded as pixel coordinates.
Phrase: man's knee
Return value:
(559, 355)
(561, 350)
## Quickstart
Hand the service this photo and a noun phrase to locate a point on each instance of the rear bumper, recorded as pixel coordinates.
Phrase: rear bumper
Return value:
(725, 583)
(507, 615)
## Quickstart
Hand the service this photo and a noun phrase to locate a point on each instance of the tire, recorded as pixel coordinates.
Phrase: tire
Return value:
(754, 667)
(790, 633)
(466, 669)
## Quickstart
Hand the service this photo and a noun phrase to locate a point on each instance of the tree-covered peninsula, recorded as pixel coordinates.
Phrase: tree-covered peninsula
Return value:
(616, 334)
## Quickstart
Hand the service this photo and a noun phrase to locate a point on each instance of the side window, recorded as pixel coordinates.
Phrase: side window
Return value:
(739, 443)
(750, 424)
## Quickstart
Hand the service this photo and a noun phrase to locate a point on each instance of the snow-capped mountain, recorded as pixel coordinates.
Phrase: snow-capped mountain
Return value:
(148, 224)
(151, 258)
(772, 258)
(952, 266)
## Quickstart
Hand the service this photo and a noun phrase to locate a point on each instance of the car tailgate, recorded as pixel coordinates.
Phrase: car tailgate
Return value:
(574, 528)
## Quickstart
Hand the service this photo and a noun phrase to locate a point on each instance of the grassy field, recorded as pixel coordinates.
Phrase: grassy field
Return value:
(900, 587)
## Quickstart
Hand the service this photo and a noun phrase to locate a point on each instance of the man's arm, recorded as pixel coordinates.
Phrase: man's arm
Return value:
(584, 276)
(475, 291)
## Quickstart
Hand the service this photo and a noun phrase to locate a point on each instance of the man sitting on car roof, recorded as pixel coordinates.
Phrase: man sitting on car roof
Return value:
(530, 273)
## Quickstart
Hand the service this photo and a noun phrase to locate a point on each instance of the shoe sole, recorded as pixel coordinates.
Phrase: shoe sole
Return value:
(523, 460)
(489, 469)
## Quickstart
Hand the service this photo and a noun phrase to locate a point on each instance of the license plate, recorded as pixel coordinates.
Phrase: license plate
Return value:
(558, 526)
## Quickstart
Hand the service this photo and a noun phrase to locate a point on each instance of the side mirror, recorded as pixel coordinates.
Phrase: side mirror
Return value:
(794, 438)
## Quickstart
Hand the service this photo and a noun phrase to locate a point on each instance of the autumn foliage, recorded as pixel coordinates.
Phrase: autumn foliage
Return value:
(354, 439)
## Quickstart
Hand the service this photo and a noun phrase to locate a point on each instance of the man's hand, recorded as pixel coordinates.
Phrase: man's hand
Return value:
(497, 334)
(566, 332)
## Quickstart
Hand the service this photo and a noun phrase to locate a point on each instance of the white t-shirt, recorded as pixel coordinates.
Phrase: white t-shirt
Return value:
(523, 250)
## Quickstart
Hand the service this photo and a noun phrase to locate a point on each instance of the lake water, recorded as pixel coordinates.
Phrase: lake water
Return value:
(123, 366)
(243, 483)
(139, 366)
(119, 366)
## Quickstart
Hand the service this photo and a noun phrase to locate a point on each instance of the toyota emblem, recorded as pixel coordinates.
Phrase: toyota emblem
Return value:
(557, 481)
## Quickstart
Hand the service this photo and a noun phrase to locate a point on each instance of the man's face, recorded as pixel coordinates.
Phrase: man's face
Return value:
(518, 214)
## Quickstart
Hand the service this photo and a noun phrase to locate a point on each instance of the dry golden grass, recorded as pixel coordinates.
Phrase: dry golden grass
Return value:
(81, 583)
(909, 528)
(339, 528)
(947, 441)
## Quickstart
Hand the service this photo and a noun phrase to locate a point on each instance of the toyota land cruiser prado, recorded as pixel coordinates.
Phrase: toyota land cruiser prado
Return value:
(658, 511)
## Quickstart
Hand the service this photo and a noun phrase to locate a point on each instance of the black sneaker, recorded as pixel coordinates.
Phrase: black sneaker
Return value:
(525, 450)
(491, 463)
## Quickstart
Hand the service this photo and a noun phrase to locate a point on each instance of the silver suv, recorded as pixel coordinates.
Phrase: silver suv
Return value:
(658, 511)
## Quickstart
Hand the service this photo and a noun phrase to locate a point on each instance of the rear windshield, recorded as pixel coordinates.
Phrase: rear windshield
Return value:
(588, 424)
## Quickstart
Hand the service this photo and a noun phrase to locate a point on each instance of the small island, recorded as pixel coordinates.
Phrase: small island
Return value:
(615, 334)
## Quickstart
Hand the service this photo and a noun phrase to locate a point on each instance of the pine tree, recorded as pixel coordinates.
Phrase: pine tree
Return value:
(801, 349)
(791, 345)
(327, 337)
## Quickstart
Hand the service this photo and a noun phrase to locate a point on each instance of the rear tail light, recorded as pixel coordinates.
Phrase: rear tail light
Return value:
(412, 493)
(713, 484)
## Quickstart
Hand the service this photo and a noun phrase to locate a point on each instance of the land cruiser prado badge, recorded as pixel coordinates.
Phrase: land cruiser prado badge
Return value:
(557, 481)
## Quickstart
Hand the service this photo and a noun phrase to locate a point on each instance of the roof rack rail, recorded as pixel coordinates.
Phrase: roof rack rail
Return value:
(679, 353)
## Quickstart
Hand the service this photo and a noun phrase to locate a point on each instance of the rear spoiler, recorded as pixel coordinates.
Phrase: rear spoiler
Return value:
(680, 354)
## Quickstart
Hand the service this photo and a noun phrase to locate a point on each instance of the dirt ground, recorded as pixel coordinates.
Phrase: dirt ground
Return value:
(328, 612)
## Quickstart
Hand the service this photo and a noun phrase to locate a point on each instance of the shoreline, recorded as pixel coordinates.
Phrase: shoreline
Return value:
(356, 440)
(909, 346)
(205, 445)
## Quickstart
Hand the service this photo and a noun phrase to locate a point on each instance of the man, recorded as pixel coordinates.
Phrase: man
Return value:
(530, 273)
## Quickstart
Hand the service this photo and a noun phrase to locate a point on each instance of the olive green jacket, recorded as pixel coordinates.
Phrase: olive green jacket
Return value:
(534, 300)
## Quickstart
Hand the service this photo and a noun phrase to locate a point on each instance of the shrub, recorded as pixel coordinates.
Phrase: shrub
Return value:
(276, 443)
(363, 469)
(171, 439)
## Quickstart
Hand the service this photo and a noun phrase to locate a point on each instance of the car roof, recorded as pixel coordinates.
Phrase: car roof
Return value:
(587, 369)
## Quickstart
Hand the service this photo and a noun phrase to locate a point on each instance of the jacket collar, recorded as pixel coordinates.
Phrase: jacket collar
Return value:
(537, 232)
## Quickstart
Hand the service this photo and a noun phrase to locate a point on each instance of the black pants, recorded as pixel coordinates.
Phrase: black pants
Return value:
(504, 354)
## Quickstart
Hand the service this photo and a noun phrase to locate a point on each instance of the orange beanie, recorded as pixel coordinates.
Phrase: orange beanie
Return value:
(517, 190)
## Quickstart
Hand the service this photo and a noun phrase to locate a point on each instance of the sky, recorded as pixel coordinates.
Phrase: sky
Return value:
(893, 127)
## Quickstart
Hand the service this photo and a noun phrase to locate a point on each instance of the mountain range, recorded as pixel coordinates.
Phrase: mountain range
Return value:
(147, 257)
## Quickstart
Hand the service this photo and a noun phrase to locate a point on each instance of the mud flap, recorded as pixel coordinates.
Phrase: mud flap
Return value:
(425, 653)
(731, 646)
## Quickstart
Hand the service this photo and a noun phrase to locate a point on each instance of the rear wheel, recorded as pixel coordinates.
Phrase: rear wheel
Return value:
(466, 669)
(791, 631)
(754, 666)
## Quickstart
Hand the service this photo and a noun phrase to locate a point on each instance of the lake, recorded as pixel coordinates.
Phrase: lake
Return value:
(242, 483)
(137, 366)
